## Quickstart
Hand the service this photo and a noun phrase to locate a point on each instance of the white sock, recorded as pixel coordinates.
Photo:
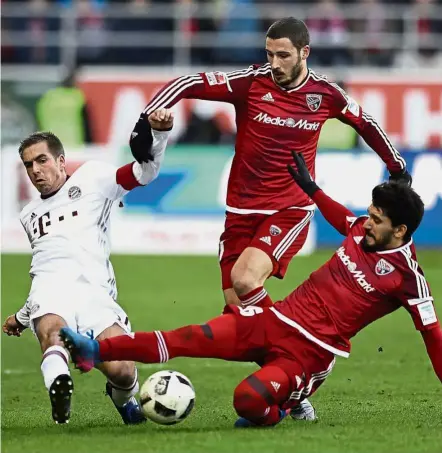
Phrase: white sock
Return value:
(55, 362)
(120, 396)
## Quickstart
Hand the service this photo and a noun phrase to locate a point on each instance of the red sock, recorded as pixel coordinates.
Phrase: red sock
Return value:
(216, 339)
(142, 347)
(257, 297)
(258, 397)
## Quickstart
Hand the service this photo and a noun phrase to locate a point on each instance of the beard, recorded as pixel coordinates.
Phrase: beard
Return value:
(379, 245)
(294, 74)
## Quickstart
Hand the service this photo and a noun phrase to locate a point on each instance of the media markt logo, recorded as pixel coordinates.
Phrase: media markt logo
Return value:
(287, 122)
(353, 269)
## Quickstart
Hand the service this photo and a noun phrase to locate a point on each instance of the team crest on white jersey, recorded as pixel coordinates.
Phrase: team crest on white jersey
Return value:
(313, 101)
(383, 267)
(275, 230)
(74, 192)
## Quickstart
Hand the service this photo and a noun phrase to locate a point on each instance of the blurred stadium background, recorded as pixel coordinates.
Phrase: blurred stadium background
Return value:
(85, 70)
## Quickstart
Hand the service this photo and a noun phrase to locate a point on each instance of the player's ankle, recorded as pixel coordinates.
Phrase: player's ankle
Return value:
(256, 297)
(54, 363)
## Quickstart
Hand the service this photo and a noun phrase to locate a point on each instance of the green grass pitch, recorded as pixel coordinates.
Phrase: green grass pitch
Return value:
(384, 398)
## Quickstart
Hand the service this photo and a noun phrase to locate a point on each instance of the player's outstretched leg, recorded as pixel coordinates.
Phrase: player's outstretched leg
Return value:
(215, 339)
(84, 351)
(258, 398)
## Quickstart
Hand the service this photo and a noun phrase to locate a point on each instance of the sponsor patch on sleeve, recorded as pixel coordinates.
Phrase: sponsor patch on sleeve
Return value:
(427, 313)
(216, 78)
(352, 106)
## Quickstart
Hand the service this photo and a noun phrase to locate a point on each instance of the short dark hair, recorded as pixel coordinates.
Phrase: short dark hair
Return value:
(54, 144)
(291, 28)
(401, 204)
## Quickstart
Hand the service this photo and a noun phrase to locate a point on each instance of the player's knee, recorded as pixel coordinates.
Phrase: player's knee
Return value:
(49, 337)
(243, 281)
(248, 403)
(230, 297)
(127, 373)
(122, 374)
(47, 328)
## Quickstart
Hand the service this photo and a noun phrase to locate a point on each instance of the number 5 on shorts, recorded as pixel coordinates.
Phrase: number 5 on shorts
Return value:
(250, 311)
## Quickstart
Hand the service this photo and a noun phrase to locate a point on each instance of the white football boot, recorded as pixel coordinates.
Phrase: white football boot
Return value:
(303, 411)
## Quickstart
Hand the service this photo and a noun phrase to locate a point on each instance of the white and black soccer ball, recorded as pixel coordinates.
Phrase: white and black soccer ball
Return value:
(167, 397)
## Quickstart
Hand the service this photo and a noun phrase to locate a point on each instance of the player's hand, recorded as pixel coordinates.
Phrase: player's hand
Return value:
(401, 176)
(161, 120)
(13, 327)
(141, 138)
(301, 175)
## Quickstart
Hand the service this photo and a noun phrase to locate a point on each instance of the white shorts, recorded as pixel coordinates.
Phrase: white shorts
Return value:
(86, 308)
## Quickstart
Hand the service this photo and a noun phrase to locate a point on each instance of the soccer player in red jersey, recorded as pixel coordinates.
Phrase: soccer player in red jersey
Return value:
(373, 273)
(280, 105)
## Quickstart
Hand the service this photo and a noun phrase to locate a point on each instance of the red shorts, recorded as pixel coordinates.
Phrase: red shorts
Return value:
(263, 338)
(280, 236)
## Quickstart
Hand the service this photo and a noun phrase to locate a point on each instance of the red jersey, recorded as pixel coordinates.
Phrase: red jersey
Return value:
(355, 288)
(271, 121)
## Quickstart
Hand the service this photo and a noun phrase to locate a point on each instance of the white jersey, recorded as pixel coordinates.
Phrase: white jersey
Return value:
(72, 276)
(69, 231)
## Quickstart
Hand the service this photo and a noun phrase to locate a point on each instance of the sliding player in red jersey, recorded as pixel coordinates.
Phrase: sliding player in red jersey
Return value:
(296, 341)
(279, 106)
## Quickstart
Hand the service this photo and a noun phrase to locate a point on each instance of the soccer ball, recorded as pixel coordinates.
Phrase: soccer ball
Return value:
(167, 397)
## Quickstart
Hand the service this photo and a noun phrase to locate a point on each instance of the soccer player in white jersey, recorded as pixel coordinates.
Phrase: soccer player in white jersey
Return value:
(73, 282)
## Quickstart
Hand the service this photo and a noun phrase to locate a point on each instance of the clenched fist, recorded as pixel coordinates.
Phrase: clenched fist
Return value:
(161, 120)
(13, 327)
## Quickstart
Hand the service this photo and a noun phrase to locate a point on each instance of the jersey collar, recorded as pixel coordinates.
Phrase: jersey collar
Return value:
(398, 249)
(297, 87)
(49, 195)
